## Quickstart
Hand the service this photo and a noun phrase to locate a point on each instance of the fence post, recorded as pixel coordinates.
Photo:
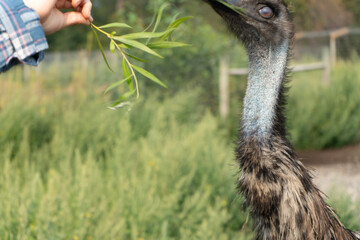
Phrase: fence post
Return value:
(224, 88)
(327, 66)
(332, 49)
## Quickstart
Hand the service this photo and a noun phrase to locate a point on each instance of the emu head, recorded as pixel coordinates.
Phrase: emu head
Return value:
(257, 23)
(266, 29)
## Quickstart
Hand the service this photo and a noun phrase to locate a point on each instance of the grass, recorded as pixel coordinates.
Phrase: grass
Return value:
(72, 169)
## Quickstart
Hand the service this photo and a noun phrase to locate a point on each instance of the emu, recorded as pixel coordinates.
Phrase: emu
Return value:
(283, 201)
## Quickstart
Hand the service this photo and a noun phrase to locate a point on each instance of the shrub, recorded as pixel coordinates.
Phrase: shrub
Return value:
(326, 116)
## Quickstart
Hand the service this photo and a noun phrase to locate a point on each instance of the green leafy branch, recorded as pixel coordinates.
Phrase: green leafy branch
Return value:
(145, 41)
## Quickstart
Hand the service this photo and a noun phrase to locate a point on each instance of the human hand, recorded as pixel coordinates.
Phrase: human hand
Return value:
(53, 20)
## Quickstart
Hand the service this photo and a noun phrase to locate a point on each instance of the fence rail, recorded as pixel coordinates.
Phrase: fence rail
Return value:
(328, 59)
(333, 35)
(226, 72)
(295, 68)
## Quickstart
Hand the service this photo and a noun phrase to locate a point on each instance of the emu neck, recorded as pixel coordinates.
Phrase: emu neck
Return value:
(267, 70)
(283, 201)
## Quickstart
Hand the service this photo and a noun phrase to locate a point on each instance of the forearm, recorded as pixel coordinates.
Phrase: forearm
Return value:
(22, 38)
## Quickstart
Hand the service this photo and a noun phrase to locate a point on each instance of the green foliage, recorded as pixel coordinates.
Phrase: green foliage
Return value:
(346, 208)
(161, 169)
(319, 116)
(96, 175)
(309, 15)
(124, 43)
(325, 116)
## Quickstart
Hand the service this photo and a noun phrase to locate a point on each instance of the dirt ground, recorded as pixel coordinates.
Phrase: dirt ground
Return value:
(339, 168)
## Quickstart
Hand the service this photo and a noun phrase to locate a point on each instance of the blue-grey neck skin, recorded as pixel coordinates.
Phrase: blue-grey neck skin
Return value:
(267, 70)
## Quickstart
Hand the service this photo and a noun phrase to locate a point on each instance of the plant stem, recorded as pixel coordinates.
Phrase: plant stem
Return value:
(123, 55)
(99, 29)
(130, 66)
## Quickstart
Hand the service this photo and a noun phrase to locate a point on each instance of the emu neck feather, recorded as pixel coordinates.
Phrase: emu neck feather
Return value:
(267, 70)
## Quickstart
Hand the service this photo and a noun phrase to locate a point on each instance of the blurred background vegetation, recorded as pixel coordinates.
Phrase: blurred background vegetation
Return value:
(161, 168)
(308, 15)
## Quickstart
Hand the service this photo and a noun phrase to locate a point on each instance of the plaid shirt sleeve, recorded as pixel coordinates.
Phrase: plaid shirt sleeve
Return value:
(22, 39)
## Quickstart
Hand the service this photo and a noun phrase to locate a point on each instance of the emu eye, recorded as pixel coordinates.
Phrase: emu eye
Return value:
(266, 12)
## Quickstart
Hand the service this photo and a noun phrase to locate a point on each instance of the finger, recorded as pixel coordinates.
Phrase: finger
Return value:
(74, 18)
(76, 3)
(64, 4)
(86, 10)
(59, 3)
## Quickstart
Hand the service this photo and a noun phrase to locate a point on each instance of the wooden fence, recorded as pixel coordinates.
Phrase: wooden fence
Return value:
(328, 59)
(331, 35)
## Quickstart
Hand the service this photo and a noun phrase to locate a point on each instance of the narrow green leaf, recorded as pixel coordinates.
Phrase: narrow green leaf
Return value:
(166, 44)
(175, 17)
(112, 46)
(141, 35)
(136, 58)
(113, 25)
(173, 26)
(123, 97)
(138, 45)
(159, 16)
(158, 19)
(148, 75)
(123, 46)
(127, 75)
(101, 49)
(178, 22)
(118, 83)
